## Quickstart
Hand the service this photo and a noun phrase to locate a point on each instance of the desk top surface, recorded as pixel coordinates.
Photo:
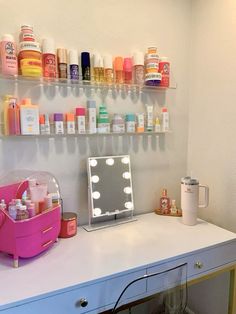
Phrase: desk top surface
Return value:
(91, 256)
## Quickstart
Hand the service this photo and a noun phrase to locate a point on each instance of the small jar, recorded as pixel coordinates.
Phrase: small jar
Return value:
(68, 225)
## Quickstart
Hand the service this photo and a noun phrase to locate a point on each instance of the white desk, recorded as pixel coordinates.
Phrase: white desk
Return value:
(98, 265)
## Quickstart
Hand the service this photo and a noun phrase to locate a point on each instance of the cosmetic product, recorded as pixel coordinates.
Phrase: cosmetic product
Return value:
(118, 69)
(26, 33)
(164, 69)
(74, 65)
(3, 205)
(49, 58)
(22, 212)
(80, 117)
(30, 59)
(42, 124)
(6, 99)
(164, 203)
(68, 225)
(152, 76)
(118, 123)
(47, 124)
(157, 125)
(31, 210)
(29, 118)
(58, 123)
(70, 123)
(127, 68)
(13, 117)
(103, 120)
(12, 210)
(62, 63)
(98, 68)
(108, 69)
(47, 202)
(149, 125)
(55, 198)
(85, 64)
(165, 119)
(8, 60)
(91, 110)
(139, 72)
(173, 208)
(140, 122)
(130, 122)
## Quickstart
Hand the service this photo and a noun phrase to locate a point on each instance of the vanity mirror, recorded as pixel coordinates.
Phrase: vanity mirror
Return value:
(110, 192)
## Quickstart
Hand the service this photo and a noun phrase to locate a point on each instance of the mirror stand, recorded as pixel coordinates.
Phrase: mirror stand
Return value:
(95, 224)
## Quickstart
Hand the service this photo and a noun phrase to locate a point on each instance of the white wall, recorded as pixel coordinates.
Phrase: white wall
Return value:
(212, 128)
(118, 27)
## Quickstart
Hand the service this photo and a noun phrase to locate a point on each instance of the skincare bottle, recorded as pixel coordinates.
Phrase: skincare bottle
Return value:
(149, 109)
(165, 119)
(140, 122)
(103, 120)
(22, 212)
(12, 210)
(31, 210)
(157, 125)
(47, 124)
(173, 208)
(74, 65)
(59, 124)
(118, 69)
(13, 117)
(164, 202)
(29, 118)
(8, 55)
(130, 122)
(152, 76)
(80, 117)
(91, 110)
(108, 70)
(98, 68)
(49, 58)
(6, 100)
(42, 124)
(164, 69)
(139, 72)
(118, 123)
(127, 68)
(85, 64)
(62, 63)
(70, 123)
(3, 205)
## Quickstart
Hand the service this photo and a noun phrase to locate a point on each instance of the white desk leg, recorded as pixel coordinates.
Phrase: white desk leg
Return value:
(232, 292)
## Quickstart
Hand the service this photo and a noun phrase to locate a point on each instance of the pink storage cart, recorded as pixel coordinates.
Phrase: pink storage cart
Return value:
(29, 237)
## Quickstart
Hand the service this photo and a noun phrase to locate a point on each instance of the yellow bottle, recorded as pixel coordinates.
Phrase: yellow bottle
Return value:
(6, 99)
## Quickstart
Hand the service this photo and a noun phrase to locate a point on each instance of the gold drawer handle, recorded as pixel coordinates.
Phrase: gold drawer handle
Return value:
(46, 230)
(47, 243)
(198, 265)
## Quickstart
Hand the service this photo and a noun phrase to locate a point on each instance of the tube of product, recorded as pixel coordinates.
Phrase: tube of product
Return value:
(149, 109)
(47, 124)
(140, 122)
(70, 123)
(58, 120)
(165, 119)
(91, 109)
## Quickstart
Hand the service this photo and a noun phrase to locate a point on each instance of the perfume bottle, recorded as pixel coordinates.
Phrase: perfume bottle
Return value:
(164, 202)
(173, 209)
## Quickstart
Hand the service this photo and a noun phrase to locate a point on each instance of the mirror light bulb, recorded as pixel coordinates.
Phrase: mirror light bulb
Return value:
(96, 195)
(125, 160)
(129, 205)
(97, 211)
(110, 161)
(127, 190)
(95, 179)
(126, 175)
(93, 162)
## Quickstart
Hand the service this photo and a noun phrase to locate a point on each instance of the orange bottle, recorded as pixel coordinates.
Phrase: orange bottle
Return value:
(164, 203)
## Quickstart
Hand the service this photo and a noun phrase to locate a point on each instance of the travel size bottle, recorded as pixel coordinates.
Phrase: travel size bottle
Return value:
(108, 69)
(118, 69)
(49, 58)
(127, 67)
(139, 71)
(98, 68)
(85, 65)
(74, 65)
(62, 63)
(8, 55)
(164, 203)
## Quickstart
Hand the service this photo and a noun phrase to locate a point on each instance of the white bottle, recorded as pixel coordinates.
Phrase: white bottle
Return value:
(91, 107)
(165, 119)
(3, 204)
(70, 123)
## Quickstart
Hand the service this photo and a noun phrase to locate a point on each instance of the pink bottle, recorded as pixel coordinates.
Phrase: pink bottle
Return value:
(8, 55)
(127, 67)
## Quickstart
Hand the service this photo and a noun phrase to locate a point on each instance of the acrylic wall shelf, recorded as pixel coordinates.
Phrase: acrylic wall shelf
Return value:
(81, 84)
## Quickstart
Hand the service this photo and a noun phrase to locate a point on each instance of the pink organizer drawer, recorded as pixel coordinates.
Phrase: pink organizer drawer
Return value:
(38, 242)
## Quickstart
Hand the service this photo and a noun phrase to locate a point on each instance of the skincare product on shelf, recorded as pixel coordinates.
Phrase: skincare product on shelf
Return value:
(149, 125)
(91, 110)
(103, 120)
(47, 124)
(127, 68)
(118, 123)
(26, 33)
(130, 122)
(59, 123)
(173, 208)
(80, 117)
(165, 119)
(6, 100)
(70, 123)
(13, 117)
(139, 73)
(98, 68)
(8, 55)
(118, 70)
(152, 76)
(74, 65)
(164, 69)
(85, 65)
(140, 122)
(42, 124)
(49, 58)
(62, 63)
(108, 69)
(164, 203)
(29, 118)
(157, 125)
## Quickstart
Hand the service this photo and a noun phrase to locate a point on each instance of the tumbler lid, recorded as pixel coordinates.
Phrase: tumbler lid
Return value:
(189, 181)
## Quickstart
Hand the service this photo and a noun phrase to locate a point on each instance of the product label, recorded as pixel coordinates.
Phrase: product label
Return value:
(74, 72)
(139, 74)
(59, 128)
(49, 65)
(71, 227)
(164, 69)
(62, 67)
(130, 126)
(118, 128)
(81, 124)
(70, 127)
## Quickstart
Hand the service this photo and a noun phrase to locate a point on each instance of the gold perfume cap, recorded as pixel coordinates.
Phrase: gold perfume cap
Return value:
(62, 55)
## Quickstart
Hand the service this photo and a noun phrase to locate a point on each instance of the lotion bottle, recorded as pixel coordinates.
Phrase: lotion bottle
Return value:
(8, 55)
